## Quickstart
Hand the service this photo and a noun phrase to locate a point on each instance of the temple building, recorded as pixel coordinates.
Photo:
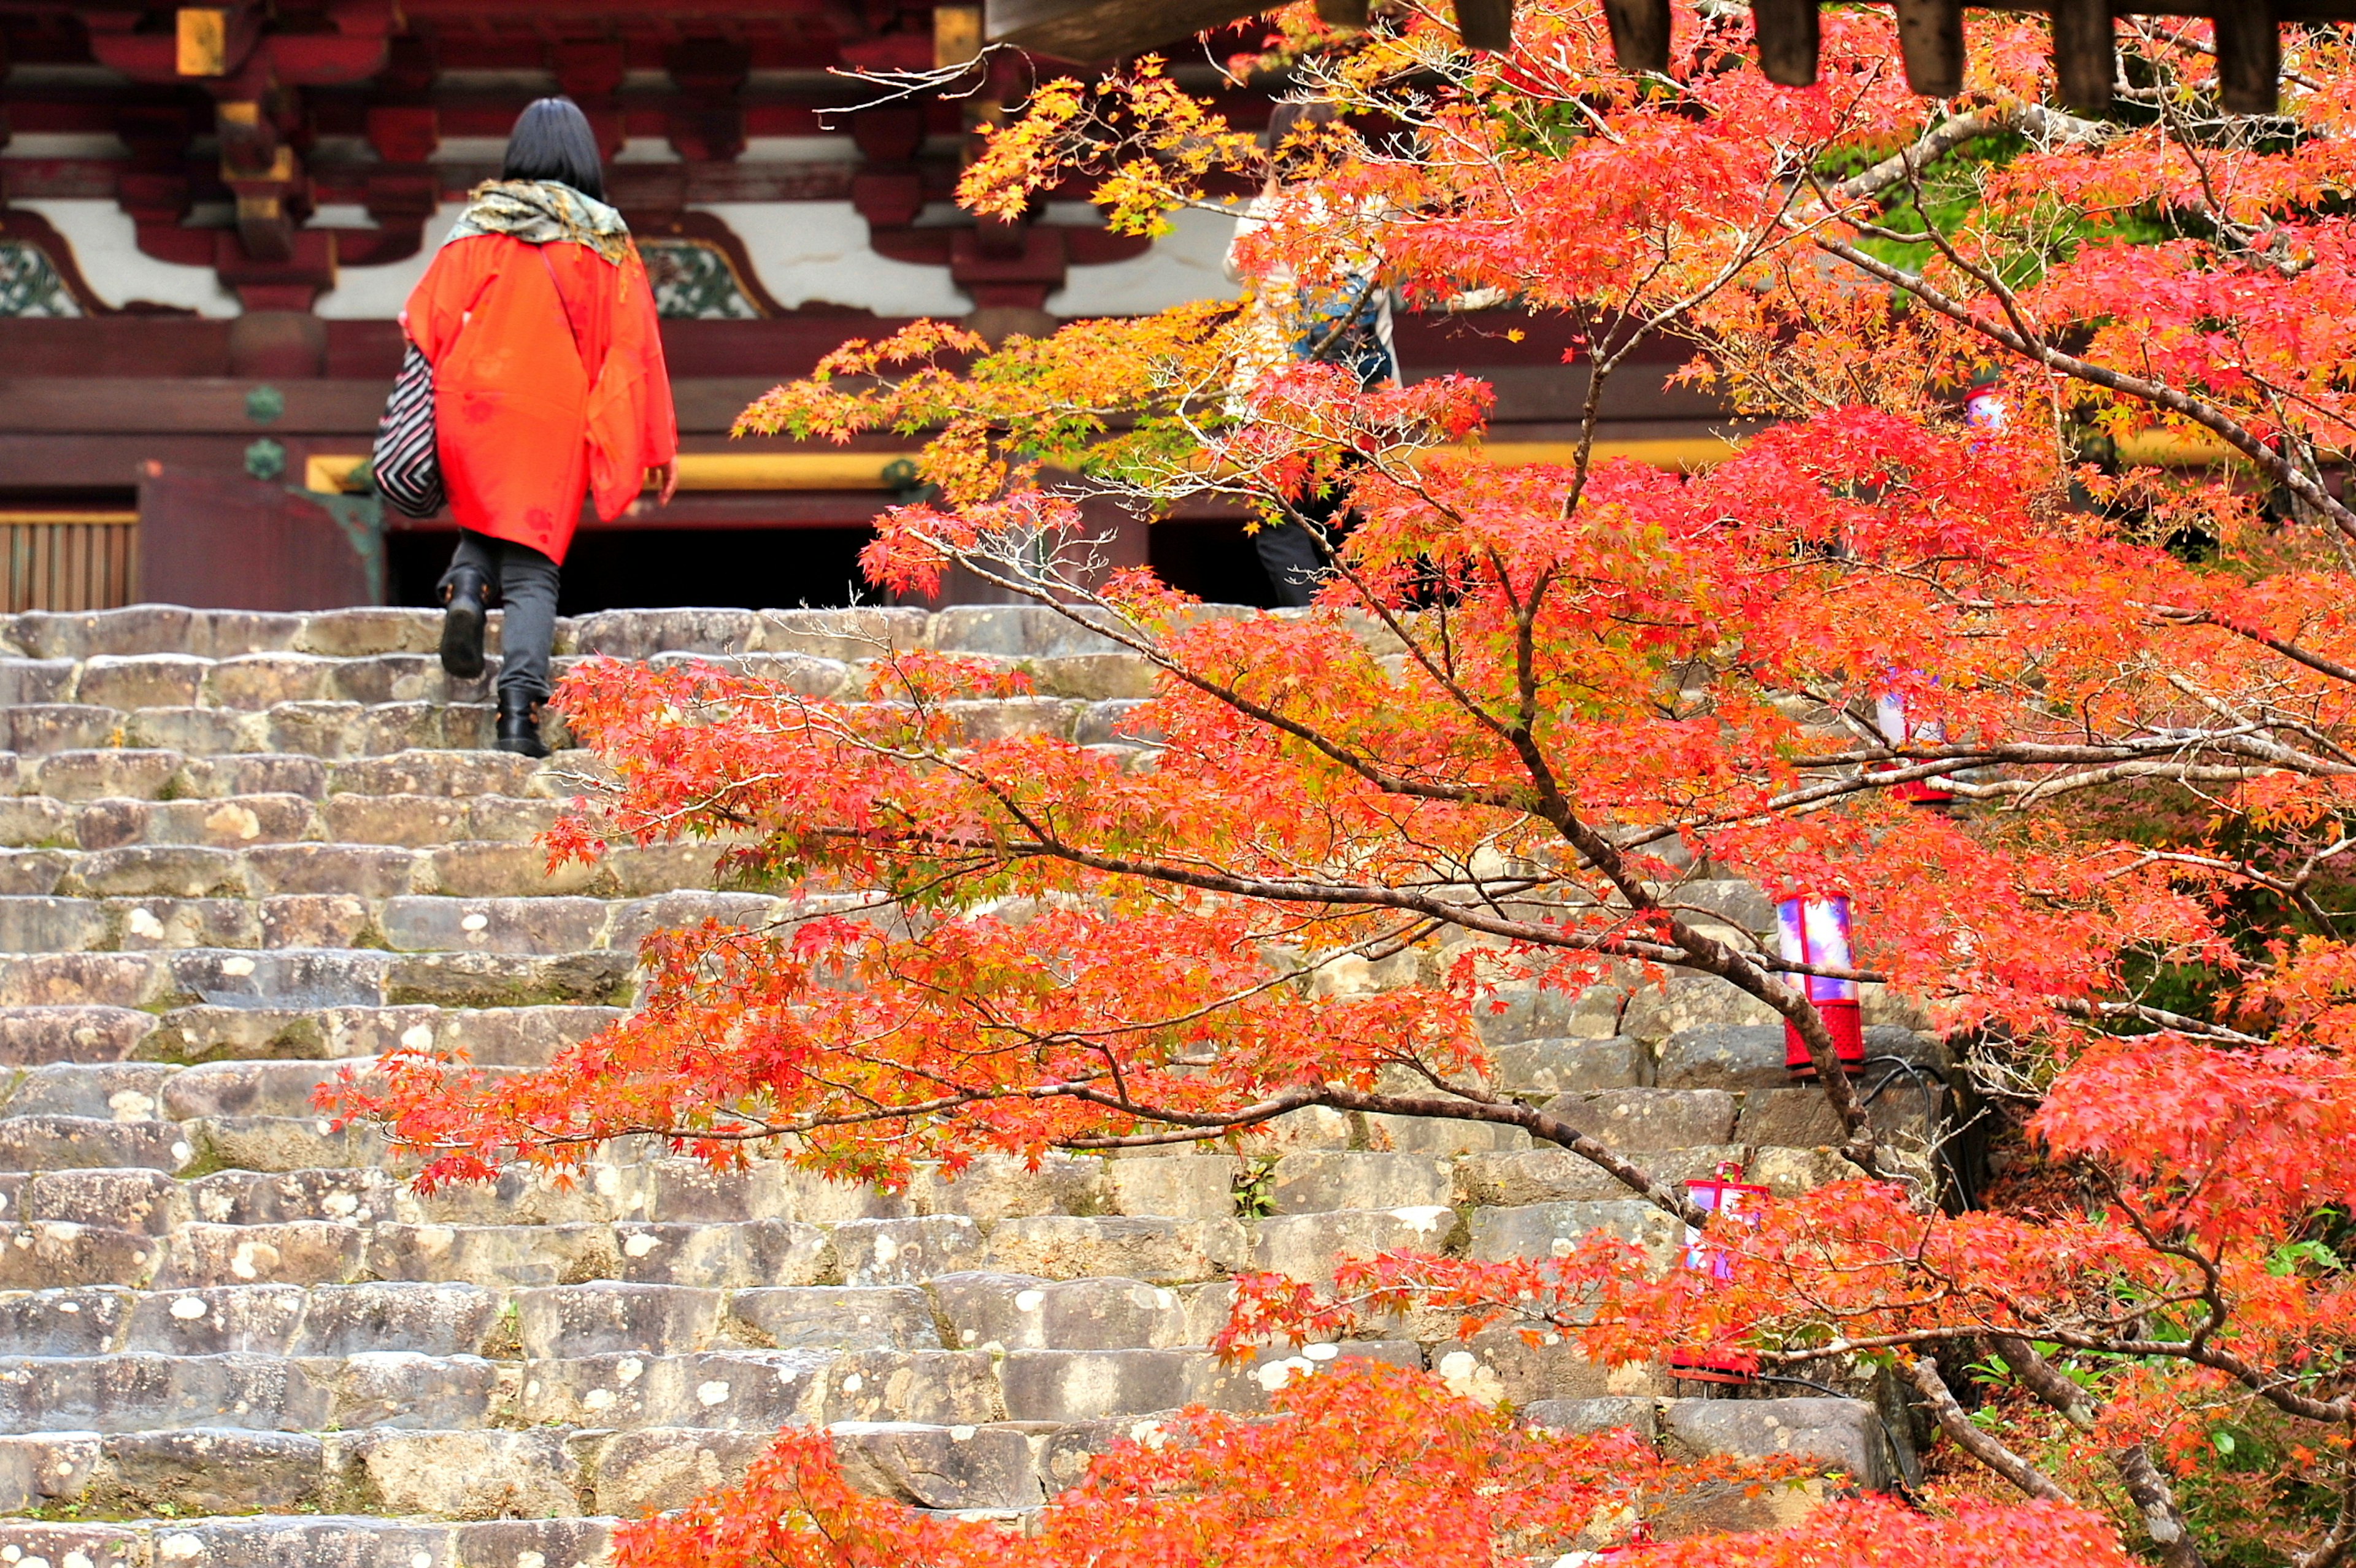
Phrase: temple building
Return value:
(212, 216)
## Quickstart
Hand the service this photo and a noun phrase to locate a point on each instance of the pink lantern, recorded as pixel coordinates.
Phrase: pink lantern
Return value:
(1815, 932)
(1731, 1202)
(1889, 717)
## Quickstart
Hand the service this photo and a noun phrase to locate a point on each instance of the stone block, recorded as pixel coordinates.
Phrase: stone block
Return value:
(907, 1251)
(536, 1544)
(32, 1037)
(443, 1320)
(288, 1144)
(411, 821)
(143, 680)
(246, 1089)
(154, 925)
(359, 870)
(44, 1472)
(477, 869)
(494, 980)
(1541, 1069)
(1553, 1229)
(300, 1542)
(517, 1256)
(642, 634)
(952, 1387)
(160, 870)
(1651, 1118)
(1532, 1012)
(1016, 631)
(31, 821)
(852, 636)
(100, 1545)
(452, 774)
(1788, 1173)
(1308, 1246)
(82, 1143)
(998, 1186)
(208, 1470)
(1498, 1364)
(48, 729)
(742, 1255)
(465, 1475)
(1691, 1001)
(231, 634)
(681, 1189)
(1802, 1117)
(610, 1316)
(196, 732)
(1724, 1056)
(107, 1091)
(658, 1468)
(146, 1393)
(1315, 1181)
(90, 634)
(317, 920)
(78, 1321)
(1175, 1187)
(406, 1388)
(40, 1254)
(541, 925)
(95, 979)
(1160, 1249)
(255, 681)
(1843, 1437)
(267, 773)
(301, 1252)
(53, 925)
(1020, 1312)
(36, 680)
(834, 1317)
(741, 1389)
(148, 1201)
(259, 1319)
(380, 629)
(33, 871)
(1090, 1385)
(936, 1466)
(1639, 1416)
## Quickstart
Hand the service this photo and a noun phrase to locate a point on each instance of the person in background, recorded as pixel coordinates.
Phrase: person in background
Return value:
(549, 386)
(1348, 324)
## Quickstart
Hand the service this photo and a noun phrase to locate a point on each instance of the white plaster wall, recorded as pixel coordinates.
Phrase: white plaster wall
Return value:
(106, 248)
(806, 250)
(376, 294)
(1185, 264)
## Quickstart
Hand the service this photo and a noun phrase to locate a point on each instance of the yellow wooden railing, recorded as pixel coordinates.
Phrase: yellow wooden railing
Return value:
(69, 561)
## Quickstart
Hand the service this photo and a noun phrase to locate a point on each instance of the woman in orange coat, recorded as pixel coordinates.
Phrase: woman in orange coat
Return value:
(549, 386)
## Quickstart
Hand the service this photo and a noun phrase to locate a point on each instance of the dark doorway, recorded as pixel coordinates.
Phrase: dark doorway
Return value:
(1213, 560)
(637, 568)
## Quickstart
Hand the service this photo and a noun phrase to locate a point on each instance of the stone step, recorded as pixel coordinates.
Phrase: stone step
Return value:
(179, 693)
(361, 871)
(93, 1035)
(405, 923)
(312, 977)
(843, 636)
(236, 822)
(312, 1541)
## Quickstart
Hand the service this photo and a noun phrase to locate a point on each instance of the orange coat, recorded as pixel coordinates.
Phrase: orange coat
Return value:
(526, 423)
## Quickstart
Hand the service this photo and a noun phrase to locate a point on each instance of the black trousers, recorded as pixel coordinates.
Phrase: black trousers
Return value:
(525, 581)
(1290, 551)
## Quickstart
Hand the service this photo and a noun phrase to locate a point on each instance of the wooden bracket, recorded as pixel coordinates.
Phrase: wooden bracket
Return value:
(1931, 38)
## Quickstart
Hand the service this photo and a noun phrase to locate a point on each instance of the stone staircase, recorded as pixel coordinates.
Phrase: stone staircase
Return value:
(244, 850)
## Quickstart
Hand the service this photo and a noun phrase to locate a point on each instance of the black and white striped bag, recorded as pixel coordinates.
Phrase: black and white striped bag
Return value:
(408, 467)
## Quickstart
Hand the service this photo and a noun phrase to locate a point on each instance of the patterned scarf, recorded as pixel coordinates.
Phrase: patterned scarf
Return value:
(542, 212)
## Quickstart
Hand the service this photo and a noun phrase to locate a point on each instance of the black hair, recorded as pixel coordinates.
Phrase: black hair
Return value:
(553, 141)
(1297, 123)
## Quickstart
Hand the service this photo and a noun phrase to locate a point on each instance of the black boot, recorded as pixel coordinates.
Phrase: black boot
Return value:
(520, 723)
(469, 599)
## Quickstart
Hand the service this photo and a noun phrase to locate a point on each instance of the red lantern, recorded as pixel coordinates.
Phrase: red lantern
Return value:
(1815, 932)
(1733, 1203)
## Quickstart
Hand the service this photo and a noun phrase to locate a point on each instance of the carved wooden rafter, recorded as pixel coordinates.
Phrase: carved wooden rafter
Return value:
(1930, 35)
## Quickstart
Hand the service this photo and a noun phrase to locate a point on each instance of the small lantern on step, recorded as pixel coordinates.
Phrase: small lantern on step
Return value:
(1889, 717)
(1815, 932)
(1731, 1201)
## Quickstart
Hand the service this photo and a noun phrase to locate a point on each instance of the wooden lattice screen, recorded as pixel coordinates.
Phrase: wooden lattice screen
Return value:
(69, 561)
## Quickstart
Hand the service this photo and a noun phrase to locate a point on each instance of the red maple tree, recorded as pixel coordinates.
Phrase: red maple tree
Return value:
(1535, 702)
